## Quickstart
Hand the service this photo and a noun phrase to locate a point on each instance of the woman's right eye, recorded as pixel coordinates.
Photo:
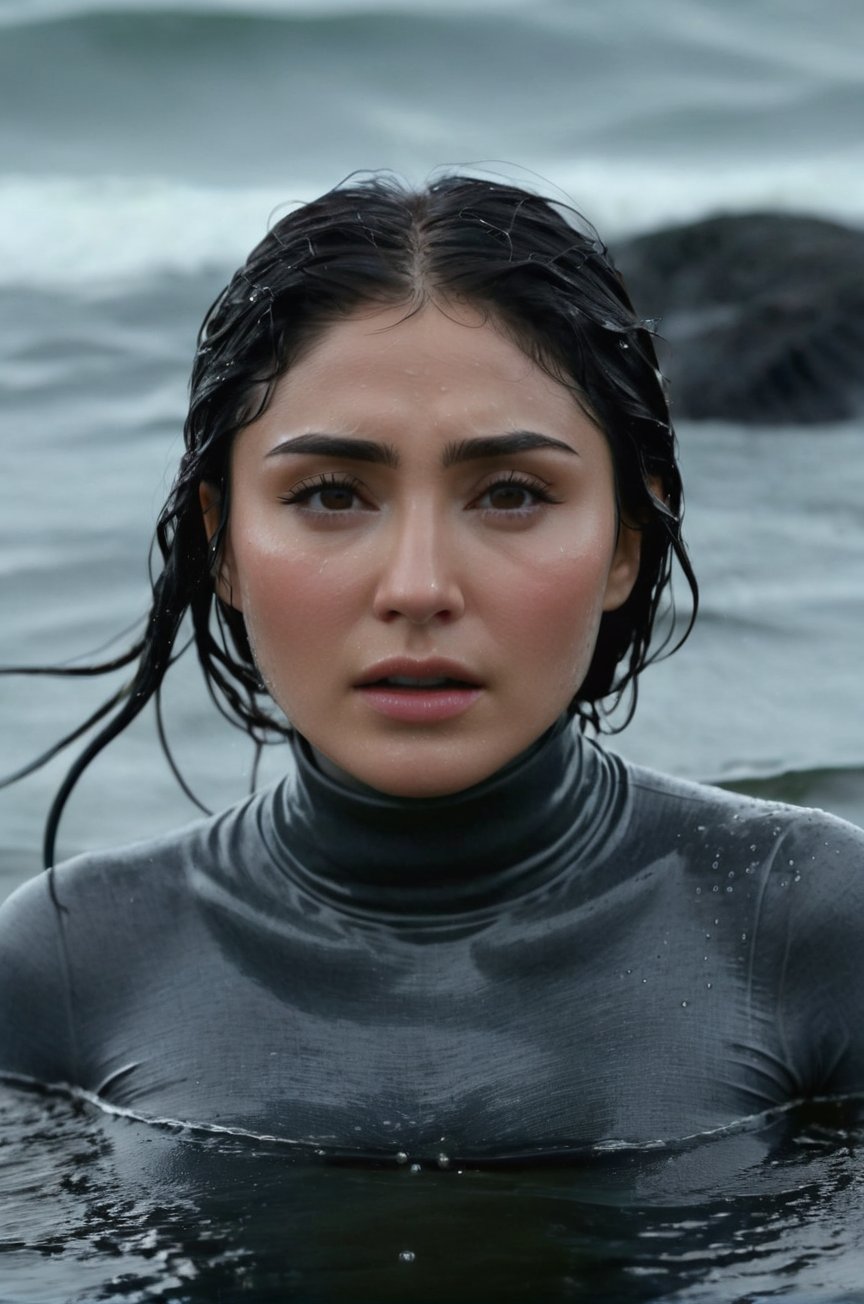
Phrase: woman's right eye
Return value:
(326, 496)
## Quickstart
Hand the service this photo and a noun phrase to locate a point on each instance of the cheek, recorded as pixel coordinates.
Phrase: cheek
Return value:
(293, 603)
(552, 611)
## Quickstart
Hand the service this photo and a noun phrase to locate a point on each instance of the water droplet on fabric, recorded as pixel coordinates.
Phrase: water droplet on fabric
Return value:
(415, 1168)
(401, 1157)
(715, 864)
(743, 937)
(708, 985)
(684, 1005)
(698, 891)
(730, 888)
(443, 1161)
(407, 1256)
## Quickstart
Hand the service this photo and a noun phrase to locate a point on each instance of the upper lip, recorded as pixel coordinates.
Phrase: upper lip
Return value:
(432, 668)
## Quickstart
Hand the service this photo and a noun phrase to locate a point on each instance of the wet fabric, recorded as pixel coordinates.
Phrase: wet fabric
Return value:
(575, 951)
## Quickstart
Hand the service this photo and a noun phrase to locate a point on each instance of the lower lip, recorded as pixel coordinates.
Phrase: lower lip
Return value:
(418, 705)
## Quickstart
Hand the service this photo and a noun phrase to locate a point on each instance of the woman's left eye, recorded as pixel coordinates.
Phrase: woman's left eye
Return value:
(514, 496)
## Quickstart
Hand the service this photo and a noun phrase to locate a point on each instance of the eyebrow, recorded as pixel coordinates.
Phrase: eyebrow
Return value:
(464, 450)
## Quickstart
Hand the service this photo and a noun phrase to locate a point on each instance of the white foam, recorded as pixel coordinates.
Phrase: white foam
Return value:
(63, 233)
(66, 233)
(628, 197)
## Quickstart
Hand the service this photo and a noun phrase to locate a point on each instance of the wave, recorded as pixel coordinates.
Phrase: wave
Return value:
(24, 12)
(67, 233)
(839, 790)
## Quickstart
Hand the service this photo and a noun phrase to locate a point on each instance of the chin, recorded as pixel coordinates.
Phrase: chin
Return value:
(423, 786)
(422, 777)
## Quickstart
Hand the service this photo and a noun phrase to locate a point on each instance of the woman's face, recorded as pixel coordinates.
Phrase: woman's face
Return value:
(422, 541)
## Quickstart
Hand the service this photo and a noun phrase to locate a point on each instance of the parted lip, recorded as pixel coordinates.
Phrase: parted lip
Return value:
(433, 668)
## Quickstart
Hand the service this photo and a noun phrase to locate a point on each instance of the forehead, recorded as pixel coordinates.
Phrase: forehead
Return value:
(440, 365)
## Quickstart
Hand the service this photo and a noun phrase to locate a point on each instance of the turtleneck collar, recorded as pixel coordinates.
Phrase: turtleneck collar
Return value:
(497, 840)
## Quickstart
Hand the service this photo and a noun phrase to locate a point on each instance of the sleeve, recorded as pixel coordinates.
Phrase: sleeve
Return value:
(817, 885)
(36, 1036)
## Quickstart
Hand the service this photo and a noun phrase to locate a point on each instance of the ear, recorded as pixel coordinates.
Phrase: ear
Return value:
(624, 568)
(210, 498)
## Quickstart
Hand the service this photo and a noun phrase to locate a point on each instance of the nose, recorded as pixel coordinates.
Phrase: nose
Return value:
(418, 579)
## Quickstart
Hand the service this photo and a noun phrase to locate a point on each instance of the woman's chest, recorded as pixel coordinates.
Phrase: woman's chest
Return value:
(470, 1047)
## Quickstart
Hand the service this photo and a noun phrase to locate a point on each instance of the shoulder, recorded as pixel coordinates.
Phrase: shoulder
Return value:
(95, 899)
(719, 807)
(160, 865)
(764, 838)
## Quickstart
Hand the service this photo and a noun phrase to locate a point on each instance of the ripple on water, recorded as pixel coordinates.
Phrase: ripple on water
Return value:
(100, 1207)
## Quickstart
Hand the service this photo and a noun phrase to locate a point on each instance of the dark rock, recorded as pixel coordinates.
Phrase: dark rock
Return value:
(762, 316)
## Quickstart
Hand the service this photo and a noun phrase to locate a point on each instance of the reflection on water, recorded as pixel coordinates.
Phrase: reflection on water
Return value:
(101, 1208)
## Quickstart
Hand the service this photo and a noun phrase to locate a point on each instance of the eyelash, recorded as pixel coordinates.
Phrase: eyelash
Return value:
(514, 479)
(306, 489)
(302, 492)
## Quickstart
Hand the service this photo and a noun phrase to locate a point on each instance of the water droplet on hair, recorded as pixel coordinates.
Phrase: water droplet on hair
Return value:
(401, 1157)
(415, 1168)
(443, 1160)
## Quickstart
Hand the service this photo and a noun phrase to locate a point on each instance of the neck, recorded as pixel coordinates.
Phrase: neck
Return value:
(471, 850)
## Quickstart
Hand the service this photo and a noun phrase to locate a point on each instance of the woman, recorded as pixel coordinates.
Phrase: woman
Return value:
(430, 484)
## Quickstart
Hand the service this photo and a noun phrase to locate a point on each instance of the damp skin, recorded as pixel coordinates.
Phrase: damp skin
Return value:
(501, 564)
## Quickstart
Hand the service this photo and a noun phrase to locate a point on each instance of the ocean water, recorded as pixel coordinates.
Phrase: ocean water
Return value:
(143, 149)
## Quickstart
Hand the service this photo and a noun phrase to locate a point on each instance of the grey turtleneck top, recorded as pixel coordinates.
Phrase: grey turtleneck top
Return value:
(574, 951)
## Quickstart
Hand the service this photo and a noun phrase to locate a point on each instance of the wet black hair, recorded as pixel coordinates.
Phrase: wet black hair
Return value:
(541, 273)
